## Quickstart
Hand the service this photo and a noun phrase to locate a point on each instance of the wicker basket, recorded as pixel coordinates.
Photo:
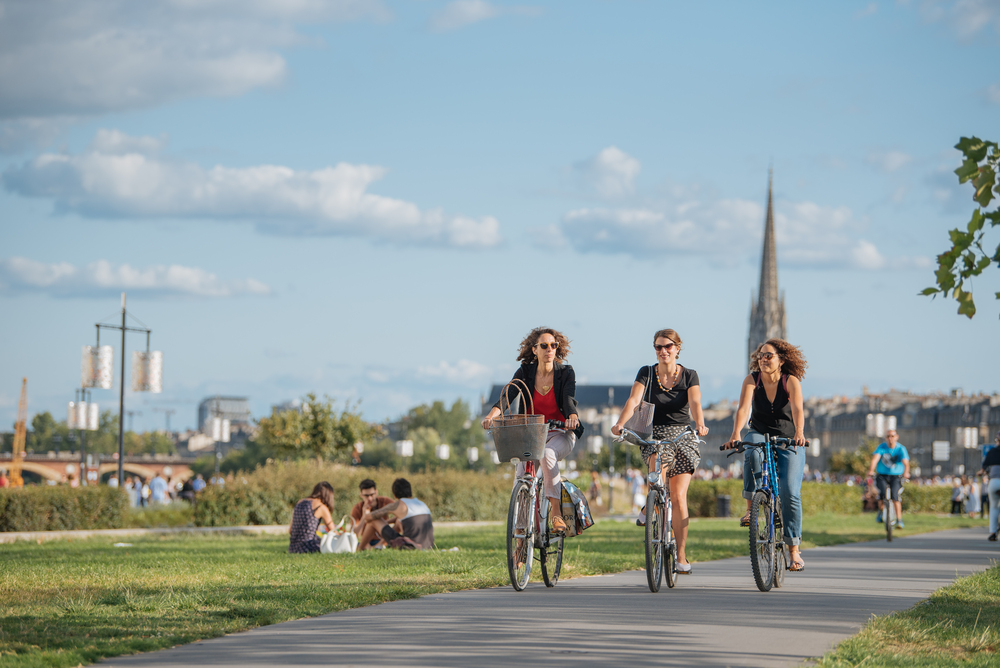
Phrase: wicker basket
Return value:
(521, 435)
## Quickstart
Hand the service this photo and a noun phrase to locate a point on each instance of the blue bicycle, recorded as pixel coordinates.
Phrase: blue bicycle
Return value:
(765, 517)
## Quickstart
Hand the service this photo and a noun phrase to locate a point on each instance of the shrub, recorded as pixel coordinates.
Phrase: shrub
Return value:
(267, 495)
(61, 508)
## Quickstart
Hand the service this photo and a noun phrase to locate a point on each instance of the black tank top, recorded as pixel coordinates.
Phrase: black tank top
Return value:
(774, 418)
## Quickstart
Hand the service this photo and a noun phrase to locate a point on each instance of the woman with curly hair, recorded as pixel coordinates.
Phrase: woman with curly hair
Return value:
(774, 391)
(553, 389)
(675, 392)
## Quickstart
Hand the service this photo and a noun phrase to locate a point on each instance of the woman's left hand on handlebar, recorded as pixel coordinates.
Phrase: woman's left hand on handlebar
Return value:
(616, 430)
(799, 439)
(572, 422)
(702, 430)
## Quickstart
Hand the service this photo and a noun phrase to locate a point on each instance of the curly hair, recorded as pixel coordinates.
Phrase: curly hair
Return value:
(525, 353)
(669, 334)
(793, 362)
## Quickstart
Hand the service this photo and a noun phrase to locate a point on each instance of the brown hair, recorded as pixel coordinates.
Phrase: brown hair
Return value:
(669, 334)
(793, 363)
(324, 492)
(525, 353)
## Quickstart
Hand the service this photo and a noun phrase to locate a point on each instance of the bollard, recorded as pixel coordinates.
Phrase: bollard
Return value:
(722, 505)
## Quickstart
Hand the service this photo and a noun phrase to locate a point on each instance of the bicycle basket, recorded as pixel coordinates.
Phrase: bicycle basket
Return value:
(521, 435)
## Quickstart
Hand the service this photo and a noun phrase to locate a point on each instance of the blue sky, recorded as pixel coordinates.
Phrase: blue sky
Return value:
(376, 200)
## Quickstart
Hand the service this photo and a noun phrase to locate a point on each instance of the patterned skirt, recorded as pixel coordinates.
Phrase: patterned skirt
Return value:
(680, 457)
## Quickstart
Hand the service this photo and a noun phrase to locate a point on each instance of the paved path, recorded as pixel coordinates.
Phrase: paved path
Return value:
(714, 617)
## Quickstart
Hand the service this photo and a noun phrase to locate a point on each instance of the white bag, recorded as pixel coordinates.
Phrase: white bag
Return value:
(342, 539)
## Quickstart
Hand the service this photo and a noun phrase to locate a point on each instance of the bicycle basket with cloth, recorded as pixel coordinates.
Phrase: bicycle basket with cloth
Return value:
(518, 435)
(641, 421)
(575, 509)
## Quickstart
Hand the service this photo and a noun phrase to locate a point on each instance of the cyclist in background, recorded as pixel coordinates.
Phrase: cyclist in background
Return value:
(774, 391)
(553, 389)
(891, 461)
(675, 391)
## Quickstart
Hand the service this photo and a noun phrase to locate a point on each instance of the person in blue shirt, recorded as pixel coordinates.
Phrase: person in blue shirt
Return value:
(892, 463)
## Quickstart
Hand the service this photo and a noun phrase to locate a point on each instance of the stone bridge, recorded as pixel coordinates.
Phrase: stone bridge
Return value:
(54, 466)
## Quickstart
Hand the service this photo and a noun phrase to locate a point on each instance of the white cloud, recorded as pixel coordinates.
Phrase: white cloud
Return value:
(461, 13)
(610, 173)
(123, 176)
(993, 93)
(18, 274)
(97, 56)
(462, 372)
(965, 18)
(724, 230)
(888, 161)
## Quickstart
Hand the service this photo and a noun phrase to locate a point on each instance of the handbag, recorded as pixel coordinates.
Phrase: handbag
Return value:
(574, 509)
(641, 421)
(341, 539)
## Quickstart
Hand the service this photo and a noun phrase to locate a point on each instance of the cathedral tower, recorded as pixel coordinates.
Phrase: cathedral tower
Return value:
(767, 308)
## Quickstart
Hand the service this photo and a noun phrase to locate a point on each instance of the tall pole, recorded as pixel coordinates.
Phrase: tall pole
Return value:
(121, 406)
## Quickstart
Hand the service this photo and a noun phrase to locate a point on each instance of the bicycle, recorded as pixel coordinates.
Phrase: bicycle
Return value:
(528, 529)
(660, 545)
(889, 508)
(765, 517)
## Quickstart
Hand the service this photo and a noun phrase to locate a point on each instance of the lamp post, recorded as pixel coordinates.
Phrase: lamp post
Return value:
(146, 373)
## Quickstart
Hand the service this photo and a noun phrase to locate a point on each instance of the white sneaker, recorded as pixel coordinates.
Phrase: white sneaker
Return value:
(682, 568)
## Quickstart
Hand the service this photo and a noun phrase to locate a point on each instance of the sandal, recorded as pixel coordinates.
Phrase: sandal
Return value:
(796, 563)
(745, 520)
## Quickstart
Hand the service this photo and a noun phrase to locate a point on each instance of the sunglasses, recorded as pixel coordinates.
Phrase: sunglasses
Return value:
(665, 346)
(546, 346)
(766, 356)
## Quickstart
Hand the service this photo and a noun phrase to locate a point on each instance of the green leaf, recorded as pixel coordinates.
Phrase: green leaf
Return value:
(974, 148)
(930, 291)
(984, 186)
(966, 306)
(969, 169)
(977, 221)
(982, 264)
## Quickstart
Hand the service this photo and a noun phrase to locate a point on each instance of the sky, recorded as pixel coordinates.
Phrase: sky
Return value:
(375, 200)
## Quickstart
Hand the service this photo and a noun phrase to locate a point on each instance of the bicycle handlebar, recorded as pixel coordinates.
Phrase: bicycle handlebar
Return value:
(741, 446)
(557, 424)
(639, 440)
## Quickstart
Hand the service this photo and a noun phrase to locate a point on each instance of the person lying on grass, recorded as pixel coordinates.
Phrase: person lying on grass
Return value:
(412, 528)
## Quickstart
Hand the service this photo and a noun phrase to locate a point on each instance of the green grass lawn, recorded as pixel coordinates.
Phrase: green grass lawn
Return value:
(63, 603)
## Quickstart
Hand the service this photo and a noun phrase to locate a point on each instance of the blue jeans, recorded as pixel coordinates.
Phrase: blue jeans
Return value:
(791, 464)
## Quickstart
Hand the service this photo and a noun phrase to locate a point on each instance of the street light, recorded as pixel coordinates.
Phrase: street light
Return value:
(82, 414)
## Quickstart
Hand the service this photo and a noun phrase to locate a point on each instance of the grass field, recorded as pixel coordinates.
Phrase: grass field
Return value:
(64, 603)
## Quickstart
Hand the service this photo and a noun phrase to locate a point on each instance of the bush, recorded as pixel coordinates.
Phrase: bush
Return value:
(267, 495)
(61, 508)
(816, 498)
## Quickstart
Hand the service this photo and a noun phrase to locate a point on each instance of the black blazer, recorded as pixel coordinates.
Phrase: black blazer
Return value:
(564, 385)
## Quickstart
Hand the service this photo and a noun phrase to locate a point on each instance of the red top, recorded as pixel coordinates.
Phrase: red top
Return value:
(546, 405)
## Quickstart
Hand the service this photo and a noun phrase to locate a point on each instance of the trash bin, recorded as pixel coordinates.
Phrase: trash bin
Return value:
(722, 505)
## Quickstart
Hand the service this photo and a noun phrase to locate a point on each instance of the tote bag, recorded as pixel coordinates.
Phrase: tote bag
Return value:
(641, 421)
(342, 539)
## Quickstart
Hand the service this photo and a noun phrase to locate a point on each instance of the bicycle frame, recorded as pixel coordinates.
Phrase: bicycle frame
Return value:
(539, 503)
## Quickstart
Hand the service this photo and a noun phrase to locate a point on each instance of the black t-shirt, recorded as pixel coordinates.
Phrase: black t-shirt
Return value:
(671, 405)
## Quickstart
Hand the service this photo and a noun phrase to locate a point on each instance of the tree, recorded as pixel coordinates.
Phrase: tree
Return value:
(454, 425)
(317, 430)
(857, 462)
(967, 257)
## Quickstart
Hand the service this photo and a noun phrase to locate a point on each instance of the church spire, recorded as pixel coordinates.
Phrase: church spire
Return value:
(767, 311)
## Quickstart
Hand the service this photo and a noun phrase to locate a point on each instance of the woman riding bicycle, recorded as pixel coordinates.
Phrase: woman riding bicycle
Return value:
(774, 390)
(553, 389)
(676, 396)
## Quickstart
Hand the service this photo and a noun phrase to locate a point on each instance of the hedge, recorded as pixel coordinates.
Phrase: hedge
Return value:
(816, 498)
(267, 495)
(48, 508)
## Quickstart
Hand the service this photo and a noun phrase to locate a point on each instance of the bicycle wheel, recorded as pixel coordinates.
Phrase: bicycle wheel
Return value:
(781, 563)
(889, 517)
(669, 547)
(520, 551)
(762, 556)
(654, 540)
(551, 560)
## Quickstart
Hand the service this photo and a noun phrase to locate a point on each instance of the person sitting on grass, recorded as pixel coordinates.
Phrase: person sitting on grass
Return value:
(308, 513)
(370, 499)
(412, 528)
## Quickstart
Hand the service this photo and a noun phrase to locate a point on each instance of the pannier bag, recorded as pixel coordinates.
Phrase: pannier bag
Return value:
(575, 510)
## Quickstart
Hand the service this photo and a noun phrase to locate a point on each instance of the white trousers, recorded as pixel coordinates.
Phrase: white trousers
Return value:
(558, 445)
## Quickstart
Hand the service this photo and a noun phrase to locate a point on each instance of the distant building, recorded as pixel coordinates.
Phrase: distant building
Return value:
(234, 409)
(767, 308)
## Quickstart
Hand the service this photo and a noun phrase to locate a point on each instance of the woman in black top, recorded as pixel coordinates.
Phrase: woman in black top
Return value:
(553, 388)
(774, 390)
(675, 393)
